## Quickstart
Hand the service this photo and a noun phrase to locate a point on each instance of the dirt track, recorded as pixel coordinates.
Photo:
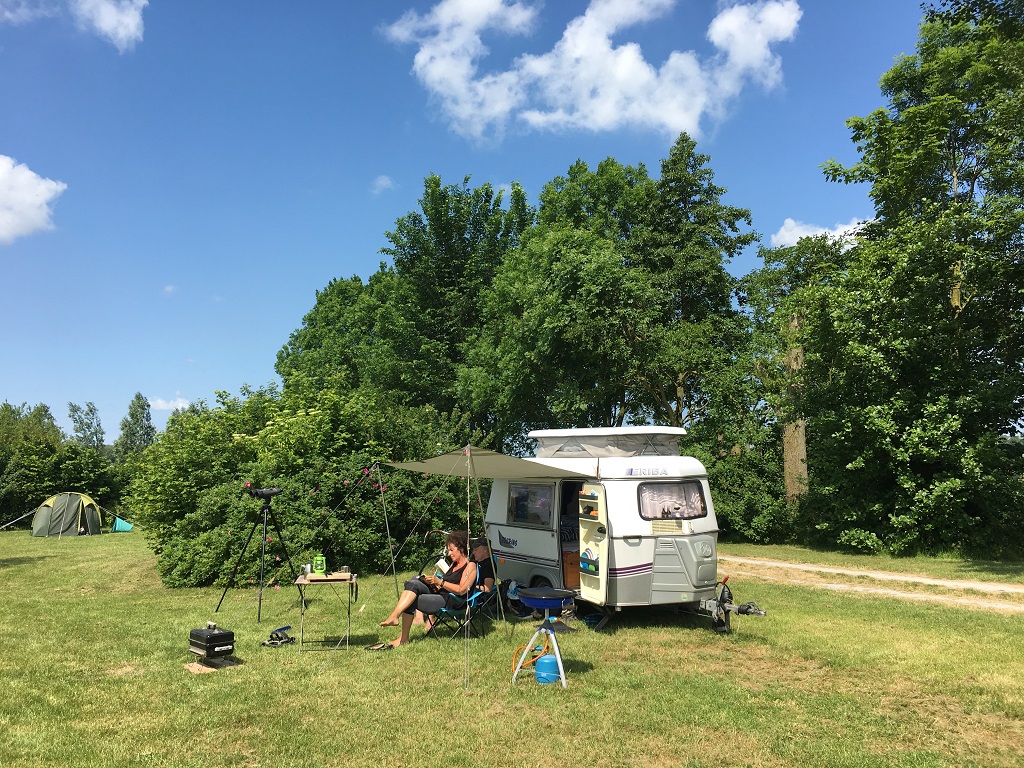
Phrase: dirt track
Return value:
(981, 595)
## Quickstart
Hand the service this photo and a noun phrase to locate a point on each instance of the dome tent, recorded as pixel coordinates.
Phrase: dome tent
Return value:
(67, 514)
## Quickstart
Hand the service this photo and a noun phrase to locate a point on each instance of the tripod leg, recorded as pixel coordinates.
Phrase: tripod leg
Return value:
(238, 562)
(287, 556)
(263, 558)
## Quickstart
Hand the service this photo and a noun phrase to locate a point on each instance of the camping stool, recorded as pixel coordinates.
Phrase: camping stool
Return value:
(545, 599)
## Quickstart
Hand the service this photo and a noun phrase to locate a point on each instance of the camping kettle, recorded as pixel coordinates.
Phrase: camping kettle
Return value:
(320, 565)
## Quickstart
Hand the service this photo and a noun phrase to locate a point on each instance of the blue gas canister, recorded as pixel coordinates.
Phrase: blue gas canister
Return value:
(547, 669)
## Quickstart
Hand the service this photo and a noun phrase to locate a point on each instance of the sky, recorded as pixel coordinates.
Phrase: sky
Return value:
(178, 178)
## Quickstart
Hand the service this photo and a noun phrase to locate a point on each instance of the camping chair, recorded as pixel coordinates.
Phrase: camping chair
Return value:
(462, 615)
(488, 606)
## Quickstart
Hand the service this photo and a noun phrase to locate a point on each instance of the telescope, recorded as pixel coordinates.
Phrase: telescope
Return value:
(263, 493)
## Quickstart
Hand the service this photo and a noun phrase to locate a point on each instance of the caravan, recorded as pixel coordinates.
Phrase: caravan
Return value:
(620, 517)
(613, 514)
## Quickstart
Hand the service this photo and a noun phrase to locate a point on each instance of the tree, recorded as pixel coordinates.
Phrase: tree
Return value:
(686, 238)
(446, 256)
(30, 476)
(85, 422)
(1006, 16)
(29, 442)
(781, 297)
(617, 309)
(920, 347)
(81, 468)
(403, 333)
(21, 424)
(137, 430)
(566, 331)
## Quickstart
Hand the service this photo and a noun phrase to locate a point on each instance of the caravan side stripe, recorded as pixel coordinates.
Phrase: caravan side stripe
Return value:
(631, 570)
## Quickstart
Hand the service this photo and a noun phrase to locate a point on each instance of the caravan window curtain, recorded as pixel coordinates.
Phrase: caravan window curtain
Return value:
(666, 501)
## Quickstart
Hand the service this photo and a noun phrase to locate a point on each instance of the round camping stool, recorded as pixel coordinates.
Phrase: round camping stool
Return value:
(545, 599)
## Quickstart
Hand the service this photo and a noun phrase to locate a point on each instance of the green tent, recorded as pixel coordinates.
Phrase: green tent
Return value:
(67, 514)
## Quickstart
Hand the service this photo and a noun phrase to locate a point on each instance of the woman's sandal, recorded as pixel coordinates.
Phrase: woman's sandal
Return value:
(379, 647)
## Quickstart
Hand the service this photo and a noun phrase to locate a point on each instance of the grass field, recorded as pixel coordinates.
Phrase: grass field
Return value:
(94, 655)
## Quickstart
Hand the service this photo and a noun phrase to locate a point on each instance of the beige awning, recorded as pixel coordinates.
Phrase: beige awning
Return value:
(480, 462)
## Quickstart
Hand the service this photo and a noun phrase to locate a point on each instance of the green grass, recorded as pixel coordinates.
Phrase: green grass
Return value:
(93, 674)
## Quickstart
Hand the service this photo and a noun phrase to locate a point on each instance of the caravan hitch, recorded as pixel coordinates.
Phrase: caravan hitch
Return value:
(722, 606)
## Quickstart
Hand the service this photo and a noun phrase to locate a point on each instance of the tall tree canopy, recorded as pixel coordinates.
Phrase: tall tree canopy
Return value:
(85, 421)
(617, 309)
(404, 331)
(137, 430)
(918, 373)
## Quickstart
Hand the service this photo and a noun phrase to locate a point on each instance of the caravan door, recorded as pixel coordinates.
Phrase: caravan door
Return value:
(594, 539)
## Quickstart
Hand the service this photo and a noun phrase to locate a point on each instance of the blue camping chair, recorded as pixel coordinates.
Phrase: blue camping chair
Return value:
(461, 615)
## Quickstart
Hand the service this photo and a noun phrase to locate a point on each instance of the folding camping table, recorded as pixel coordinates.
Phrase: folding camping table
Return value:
(334, 581)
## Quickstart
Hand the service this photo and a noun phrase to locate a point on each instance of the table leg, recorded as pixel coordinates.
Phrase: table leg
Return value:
(302, 621)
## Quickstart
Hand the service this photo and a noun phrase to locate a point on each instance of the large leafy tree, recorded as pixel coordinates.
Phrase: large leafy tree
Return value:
(618, 308)
(567, 331)
(447, 254)
(137, 430)
(85, 421)
(29, 441)
(20, 424)
(403, 332)
(920, 364)
(781, 298)
(687, 237)
(322, 449)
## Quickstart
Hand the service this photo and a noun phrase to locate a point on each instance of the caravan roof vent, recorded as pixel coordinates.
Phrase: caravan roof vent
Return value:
(602, 442)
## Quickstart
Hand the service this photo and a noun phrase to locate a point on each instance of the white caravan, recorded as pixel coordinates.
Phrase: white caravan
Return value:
(622, 518)
(614, 514)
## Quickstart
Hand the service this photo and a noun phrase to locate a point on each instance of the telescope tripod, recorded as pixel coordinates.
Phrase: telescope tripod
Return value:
(268, 517)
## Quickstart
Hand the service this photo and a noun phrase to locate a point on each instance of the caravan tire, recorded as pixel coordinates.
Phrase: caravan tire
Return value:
(539, 582)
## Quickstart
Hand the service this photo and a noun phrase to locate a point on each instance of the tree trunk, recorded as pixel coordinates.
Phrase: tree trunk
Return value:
(794, 459)
(794, 433)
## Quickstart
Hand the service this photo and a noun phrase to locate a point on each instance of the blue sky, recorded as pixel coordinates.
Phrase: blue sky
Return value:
(178, 178)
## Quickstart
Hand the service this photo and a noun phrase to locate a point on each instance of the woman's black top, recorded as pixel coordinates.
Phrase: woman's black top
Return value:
(454, 576)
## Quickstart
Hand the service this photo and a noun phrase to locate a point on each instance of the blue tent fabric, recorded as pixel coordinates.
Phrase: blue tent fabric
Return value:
(120, 526)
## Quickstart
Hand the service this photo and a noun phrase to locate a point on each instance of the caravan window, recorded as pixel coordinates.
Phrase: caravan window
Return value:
(672, 501)
(530, 504)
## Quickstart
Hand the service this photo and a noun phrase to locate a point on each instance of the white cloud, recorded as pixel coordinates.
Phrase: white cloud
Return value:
(744, 35)
(586, 81)
(119, 21)
(450, 43)
(22, 11)
(169, 289)
(25, 200)
(381, 184)
(792, 230)
(159, 404)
